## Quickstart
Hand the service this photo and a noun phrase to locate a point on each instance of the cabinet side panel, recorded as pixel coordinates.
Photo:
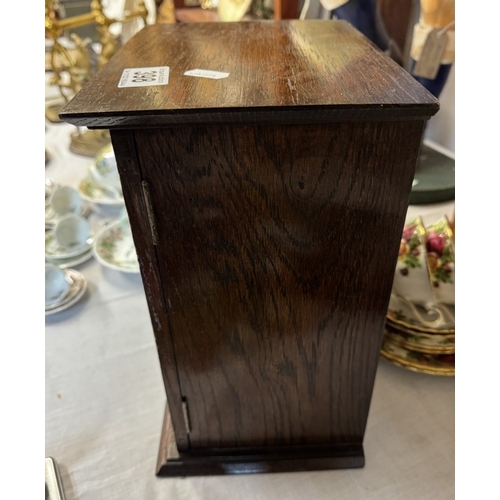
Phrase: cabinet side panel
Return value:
(131, 179)
(277, 249)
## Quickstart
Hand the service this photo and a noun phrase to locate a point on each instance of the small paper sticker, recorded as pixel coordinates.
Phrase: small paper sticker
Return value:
(432, 54)
(205, 73)
(144, 77)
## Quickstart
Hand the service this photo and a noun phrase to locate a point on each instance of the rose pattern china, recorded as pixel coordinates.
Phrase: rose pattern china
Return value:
(411, 279)
(420, 322)
(116, 250)
(440, 260)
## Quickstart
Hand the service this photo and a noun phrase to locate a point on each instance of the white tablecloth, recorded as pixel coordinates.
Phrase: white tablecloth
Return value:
(104, 400)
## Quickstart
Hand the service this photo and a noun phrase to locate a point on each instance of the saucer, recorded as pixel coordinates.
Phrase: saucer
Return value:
(78, 285)
(93, 193)
(431, 364)
(71, 261)
(429, 343)
(51, 217)
(54, 252)
(438, 318)
(116, 251)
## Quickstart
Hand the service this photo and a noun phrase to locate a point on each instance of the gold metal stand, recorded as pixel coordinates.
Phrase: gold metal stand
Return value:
(72, 68)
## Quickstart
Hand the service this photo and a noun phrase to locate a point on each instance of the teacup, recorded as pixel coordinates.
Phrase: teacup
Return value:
(66, 200)
(104, 171)
(72, 232)
(411, 279)
(56, 286)
(441, 260)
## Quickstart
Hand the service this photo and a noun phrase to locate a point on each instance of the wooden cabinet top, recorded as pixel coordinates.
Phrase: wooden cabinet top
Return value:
(279, 71)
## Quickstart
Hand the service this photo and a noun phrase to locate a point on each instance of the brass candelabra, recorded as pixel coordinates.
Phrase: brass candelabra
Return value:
(73, 67)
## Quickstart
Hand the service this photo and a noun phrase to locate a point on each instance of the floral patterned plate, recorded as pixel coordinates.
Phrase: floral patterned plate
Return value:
(430, 343)
(93, 193)
(410, 317)
(431, 364)
(78, 285)
(115, 250)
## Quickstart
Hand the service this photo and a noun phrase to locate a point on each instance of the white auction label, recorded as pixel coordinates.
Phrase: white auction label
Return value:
(144, 77)
(205, 73)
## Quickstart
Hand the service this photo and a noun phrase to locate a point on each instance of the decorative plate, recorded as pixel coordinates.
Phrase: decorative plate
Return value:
(115, 250)
(431, 364)
(436, 318)
(430, 343)
(78, 285)
(54, 252)
(93, 193)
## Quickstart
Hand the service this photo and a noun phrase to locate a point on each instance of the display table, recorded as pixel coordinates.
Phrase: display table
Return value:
(105, 399)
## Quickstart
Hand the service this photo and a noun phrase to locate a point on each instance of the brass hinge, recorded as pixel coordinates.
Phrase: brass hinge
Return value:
(150, 212)
(185, 412)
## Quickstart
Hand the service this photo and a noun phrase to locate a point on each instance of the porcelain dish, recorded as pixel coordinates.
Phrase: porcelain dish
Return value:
(406, 316)
(77, 287)
(431, 364)
(115, 250)
(99, 195)
(65, 263)
(423, 290)
(54, 252)
(422, 342)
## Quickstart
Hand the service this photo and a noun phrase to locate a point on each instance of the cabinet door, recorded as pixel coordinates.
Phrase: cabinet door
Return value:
(276, 248)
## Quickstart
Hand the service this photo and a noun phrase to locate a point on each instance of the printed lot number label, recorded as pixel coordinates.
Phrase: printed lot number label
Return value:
(144, 77)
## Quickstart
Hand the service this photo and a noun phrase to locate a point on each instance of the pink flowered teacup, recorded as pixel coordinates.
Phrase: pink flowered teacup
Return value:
(411, 278)
(441, 260)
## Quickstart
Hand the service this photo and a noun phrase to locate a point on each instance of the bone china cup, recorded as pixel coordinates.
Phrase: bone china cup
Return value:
(66, 200)
(72, 232)
(104, 171)
(56, 286)
(411, 279)
(441, 260)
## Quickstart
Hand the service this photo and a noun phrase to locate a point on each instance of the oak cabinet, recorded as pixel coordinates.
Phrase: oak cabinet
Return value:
(266, 208)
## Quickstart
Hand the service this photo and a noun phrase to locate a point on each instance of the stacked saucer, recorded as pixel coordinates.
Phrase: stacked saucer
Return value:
(420, 323)
(65, 212)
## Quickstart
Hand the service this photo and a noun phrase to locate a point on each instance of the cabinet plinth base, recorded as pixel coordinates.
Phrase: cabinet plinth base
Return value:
(218, 462)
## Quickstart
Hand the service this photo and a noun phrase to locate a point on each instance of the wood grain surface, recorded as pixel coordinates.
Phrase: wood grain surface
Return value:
(280, 72)
(276, 248)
